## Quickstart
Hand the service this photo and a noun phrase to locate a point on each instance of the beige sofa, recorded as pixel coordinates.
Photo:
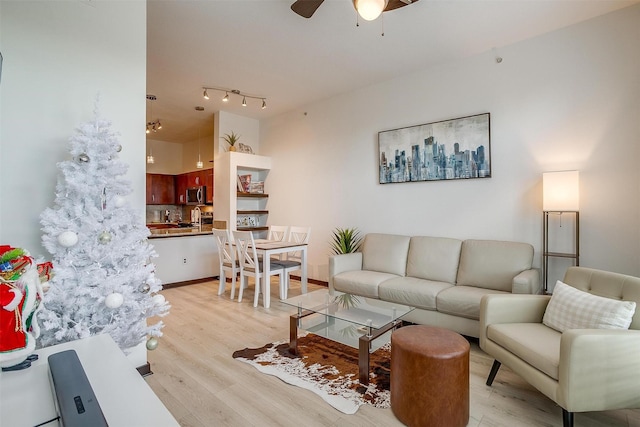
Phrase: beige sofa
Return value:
(579, 369)
(443, 278)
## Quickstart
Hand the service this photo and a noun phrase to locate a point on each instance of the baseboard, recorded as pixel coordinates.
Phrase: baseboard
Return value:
(145, 369)
(189, 282)
(314, 281)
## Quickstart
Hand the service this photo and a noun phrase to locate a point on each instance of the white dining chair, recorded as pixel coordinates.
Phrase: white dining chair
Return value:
(228, 261)
(278, 233)
(293, 260)
(252, 266)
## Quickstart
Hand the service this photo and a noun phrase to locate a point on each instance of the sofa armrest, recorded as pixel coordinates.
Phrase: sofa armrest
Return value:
(343, 262)
(527, 282)
(599, 369)
(510, 308)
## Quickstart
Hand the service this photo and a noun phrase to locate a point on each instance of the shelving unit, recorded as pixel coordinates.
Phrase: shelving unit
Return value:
(546, 253)
(233, 206)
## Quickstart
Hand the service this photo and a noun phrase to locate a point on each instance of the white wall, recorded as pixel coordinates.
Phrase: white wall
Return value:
(248, 129)
(58, 55)
(566, 100)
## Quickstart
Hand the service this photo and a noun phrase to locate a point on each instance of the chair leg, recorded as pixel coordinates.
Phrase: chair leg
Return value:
(234, 273)
(257, 294)
(567, 418)
(223, 282)
(284, 283)
(241, 286)
(494, 371)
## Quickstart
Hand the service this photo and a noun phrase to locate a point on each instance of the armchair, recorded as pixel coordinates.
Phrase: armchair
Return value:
(579, 369)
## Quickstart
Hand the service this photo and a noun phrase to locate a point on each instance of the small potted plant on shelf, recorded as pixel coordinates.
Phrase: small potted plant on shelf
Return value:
(231, 139)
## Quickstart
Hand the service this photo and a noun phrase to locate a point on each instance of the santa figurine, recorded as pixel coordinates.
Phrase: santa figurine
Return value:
(20, 297)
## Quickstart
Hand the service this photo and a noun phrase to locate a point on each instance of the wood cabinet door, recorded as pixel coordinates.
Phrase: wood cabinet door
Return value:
(150, 200)
(209, 184)
(166, 188)
(181, 189)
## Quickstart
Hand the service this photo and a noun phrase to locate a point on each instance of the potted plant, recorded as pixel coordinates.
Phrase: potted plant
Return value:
(345, 240)
(231, 139)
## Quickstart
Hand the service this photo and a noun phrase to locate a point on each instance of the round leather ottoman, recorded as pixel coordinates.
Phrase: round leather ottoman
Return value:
(429, 377)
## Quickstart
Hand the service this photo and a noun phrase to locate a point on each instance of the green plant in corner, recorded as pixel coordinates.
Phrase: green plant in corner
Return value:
(345, 240)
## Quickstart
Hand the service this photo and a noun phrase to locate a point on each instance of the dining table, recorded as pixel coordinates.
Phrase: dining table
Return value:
(268, 248)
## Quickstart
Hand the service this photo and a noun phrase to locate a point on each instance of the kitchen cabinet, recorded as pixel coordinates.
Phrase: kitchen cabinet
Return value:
(181, 189)
(160, 189)
(201, 178)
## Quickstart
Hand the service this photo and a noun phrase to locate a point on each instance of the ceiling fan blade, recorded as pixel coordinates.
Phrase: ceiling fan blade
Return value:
(395, 4)
(306, 8)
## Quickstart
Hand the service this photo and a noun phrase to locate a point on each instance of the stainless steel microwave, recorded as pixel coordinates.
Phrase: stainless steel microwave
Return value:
(196, 195)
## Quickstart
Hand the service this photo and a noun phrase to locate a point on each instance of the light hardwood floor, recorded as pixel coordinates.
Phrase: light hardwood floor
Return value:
(202, 385)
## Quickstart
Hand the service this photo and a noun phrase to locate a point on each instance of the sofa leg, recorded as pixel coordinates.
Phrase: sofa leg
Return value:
(567, 418)
(494, 371)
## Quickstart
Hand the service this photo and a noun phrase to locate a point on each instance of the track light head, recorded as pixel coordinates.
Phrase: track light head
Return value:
(226, 97)
(264, 103)
(244, 101)
(205, 95)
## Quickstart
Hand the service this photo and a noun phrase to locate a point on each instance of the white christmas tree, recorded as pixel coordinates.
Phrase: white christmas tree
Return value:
(104, 279)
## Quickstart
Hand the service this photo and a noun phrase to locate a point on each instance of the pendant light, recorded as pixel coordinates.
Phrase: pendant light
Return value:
(199, 164)
(150, 158)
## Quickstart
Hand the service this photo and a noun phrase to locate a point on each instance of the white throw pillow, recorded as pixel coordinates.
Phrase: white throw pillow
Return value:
(571, 308)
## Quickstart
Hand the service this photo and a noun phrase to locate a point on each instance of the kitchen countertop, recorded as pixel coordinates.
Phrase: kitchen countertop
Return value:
(178, 232)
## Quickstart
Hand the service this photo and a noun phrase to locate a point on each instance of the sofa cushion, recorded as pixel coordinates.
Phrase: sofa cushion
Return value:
(386, 253)
(360, 282)
(493, 264)
(434, 258)
(540, 348)
(411, 291)
(571, 308)
(462, 301)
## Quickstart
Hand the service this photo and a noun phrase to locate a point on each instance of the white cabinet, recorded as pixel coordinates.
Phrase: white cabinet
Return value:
(242, 211)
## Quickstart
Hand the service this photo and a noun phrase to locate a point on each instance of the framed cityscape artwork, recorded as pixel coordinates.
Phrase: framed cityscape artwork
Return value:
(450, 149)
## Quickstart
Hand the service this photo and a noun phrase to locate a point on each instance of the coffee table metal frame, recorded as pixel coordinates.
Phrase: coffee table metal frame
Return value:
(364, 341)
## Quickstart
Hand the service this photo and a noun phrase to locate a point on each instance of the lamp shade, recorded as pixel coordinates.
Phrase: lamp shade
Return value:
(370, 9)
(560, 191)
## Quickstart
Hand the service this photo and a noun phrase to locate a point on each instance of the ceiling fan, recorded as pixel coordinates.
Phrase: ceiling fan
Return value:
(368, 9)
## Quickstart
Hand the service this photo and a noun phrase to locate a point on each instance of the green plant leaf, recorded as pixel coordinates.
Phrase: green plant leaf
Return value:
(345, 240)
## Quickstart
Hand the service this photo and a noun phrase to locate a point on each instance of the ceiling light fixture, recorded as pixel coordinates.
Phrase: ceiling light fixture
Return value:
(370, 9)
(152, 125)
(236, 92)
(199, 164)
(150, 158)
(205, 94)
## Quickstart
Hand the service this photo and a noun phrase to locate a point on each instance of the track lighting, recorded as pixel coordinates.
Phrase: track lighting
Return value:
(152, 125)
(234, 92)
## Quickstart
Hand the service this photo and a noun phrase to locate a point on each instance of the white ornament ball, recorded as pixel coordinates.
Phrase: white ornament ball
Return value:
(152, 343)
(114, 300)
(67, 239)
(119, 201)
(104, 237)
(158, 299)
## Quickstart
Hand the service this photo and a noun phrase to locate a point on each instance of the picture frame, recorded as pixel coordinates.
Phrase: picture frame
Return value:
(446, 150)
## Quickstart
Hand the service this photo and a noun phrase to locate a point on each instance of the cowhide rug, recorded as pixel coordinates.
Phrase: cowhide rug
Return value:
(327, 368)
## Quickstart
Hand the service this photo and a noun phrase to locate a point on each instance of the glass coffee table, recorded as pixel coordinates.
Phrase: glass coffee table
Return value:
(356, 321)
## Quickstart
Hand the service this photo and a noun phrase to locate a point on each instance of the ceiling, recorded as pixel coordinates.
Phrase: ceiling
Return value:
(262, 48)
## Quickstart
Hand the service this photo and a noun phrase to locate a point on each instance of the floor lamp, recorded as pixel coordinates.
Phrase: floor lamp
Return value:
(560, 194)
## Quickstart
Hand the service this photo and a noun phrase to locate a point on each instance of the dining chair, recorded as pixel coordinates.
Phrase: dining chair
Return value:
(252, 266)
(293, 260)
(228, 260)
(278, 232)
